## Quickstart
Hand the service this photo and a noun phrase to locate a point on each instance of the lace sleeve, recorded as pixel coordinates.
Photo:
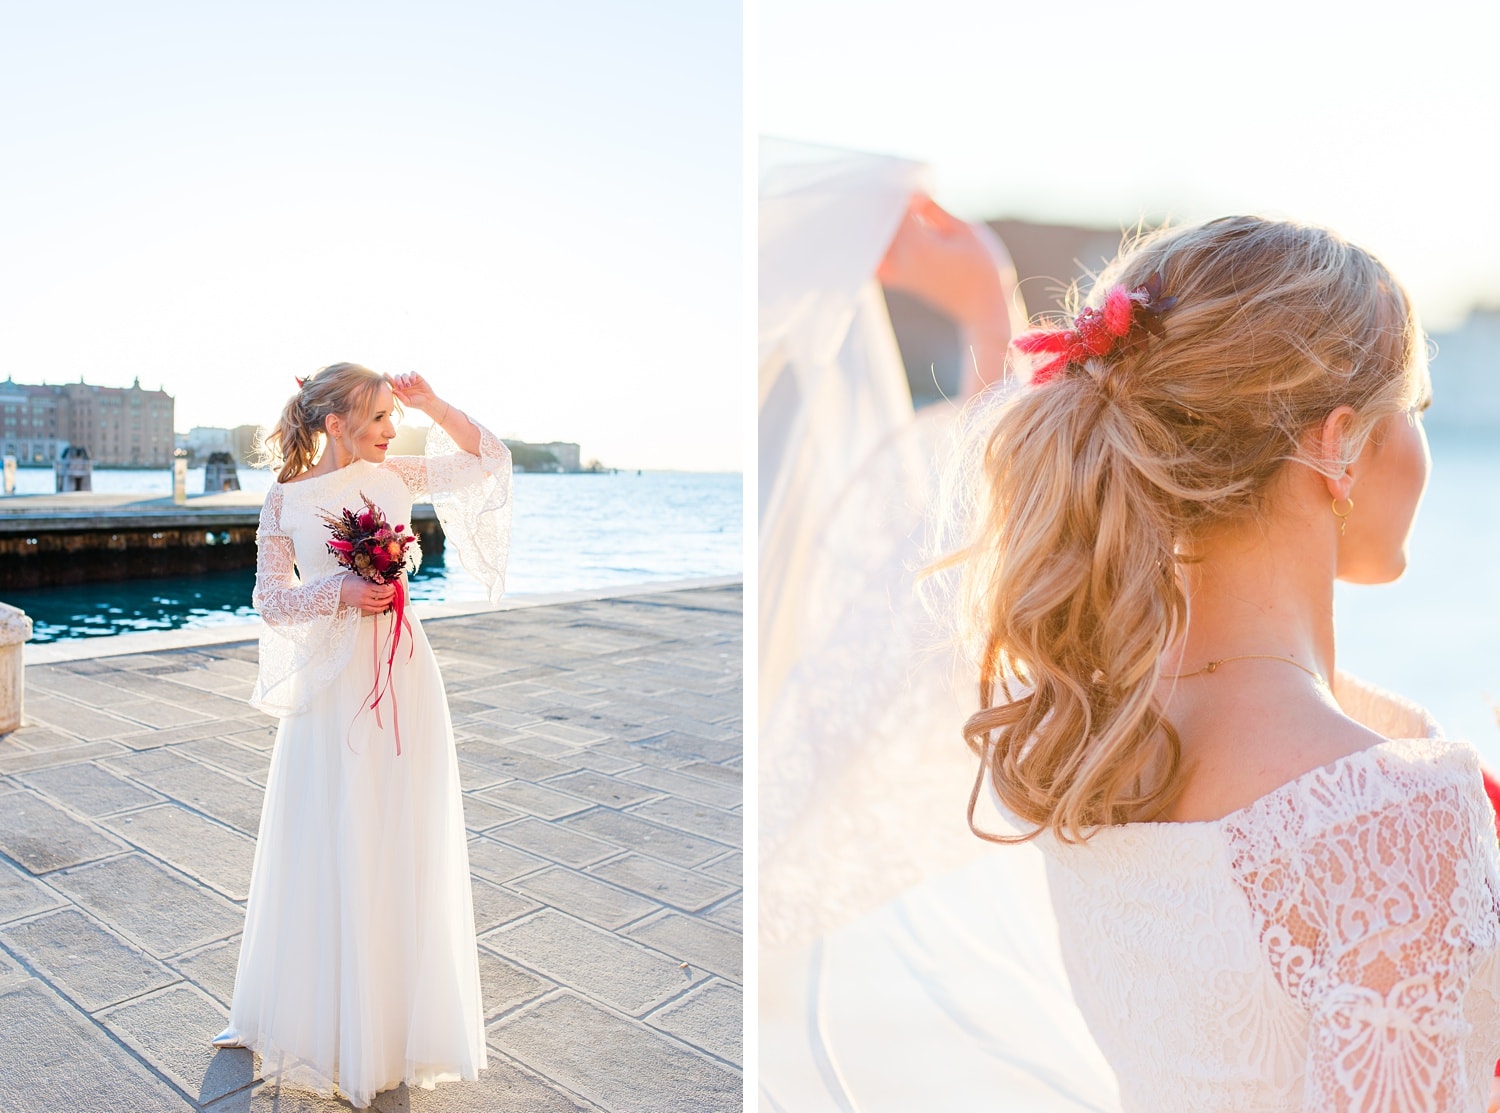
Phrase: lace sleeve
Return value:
(308, 634)
(471, 495)
(1373, 923)
(279, 596)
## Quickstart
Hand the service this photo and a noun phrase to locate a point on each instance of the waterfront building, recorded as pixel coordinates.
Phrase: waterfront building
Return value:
(118, 426)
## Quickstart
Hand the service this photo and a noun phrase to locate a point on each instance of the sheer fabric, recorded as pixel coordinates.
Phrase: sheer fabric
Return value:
(309, 635)
(358, 967)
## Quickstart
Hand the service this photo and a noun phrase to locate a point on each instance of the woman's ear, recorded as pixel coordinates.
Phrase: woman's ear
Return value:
(1328, 444)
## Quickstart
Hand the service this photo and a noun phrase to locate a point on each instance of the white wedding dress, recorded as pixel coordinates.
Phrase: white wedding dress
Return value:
(1331, 947)
(358, 968)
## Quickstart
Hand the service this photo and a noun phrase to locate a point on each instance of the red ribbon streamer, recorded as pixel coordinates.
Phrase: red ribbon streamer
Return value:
(378, 691)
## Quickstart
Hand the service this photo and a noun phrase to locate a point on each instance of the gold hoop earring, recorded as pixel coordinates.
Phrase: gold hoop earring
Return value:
(1343, 515)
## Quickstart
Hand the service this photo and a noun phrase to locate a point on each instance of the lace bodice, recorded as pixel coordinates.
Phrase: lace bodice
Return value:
(309, 633)
(1333, 946)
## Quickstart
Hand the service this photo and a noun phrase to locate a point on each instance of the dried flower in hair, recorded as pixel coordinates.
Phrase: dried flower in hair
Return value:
(1126, 317)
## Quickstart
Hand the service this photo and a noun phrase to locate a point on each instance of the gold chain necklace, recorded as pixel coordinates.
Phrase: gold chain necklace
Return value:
(1213, 666)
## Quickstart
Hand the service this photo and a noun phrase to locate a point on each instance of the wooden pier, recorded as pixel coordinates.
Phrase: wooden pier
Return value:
(87, 536)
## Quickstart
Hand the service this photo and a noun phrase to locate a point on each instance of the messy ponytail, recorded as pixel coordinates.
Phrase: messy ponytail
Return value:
(293, 444)
(1084, 494)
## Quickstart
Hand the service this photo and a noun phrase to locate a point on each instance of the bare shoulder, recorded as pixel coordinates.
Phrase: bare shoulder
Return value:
(1245, 746)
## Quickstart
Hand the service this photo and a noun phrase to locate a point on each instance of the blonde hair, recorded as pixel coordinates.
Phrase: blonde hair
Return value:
(341, 389)
(1084, 492)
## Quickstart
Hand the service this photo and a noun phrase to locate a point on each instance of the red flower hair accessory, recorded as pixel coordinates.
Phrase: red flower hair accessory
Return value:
(1127, 316)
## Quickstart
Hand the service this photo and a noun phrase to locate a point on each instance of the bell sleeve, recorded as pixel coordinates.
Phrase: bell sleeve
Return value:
(471, 494)
(308, 634)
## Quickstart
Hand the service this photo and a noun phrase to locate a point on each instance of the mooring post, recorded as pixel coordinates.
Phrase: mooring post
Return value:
(15, 628)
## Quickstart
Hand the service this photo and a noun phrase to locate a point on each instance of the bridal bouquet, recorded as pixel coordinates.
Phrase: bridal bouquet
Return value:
(366, 543)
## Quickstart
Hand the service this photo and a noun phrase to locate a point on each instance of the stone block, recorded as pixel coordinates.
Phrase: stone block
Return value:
(20, 761)
(699, 819)
(597, 963)
(609, 791)
(689, 788)
(660, 882)
(534, 799)
(480, 815)
(730, 914)
(553, 842)
(218, 856)
(150, 905)
(87, 789)
(617, 1064)
(21, 895)
(212, 969)
(585, 897)
(729, 868)
(694, 941)
(710, 1017)
(506, 985)
(228, 799)
(53, 1058)
(171, 1030)
(499, 862)
(43, 837)
(494, 905)
(630, 832)
(231, 758)
(79, 719)
(96, 967)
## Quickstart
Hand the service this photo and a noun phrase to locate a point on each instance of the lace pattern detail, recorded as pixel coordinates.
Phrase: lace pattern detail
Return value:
(1333, 946)
(309, 635)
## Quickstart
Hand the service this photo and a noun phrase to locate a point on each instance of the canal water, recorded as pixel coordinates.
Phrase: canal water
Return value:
(569, 532)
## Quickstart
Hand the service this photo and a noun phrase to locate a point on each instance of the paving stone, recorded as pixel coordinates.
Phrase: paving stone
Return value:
(43, 837)
(553, 842)
(21, 895)
(534, 799)
(595, 962)
(499, 862)
(689, 788)
(720, 774)
(495, 904)
(630, 832)
(19, 761)
(212, 969)
(39, 738)
(230, 757)
(12, 973)
(502, 1086)
(568, 733)
(694, 941)
(93, 966)
(661, 882)
(585, 897)
(480, 815)
(157, 714)
(729, 868)
(228, 799)
(699, 819)
(615, 1063)
(216, 855)
(171, 1030)
(710, 1017)
(516, 764)
(88, 789)
(601, 762)
(148, 904)
(266, 1098)
(77, 719)
(53, 1058)
(506, 985)
(601, 789)
(683, 748)
(730, 914)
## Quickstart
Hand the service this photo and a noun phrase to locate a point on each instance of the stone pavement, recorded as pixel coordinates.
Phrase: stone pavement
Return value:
(599, 745)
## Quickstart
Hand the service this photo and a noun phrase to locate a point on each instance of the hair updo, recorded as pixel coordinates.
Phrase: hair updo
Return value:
(1082, 496)
(341, 389)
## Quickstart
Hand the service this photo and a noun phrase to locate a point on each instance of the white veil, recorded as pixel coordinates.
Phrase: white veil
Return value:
(904, 964)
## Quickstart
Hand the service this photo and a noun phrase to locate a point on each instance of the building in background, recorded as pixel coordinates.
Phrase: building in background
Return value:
(120, 427)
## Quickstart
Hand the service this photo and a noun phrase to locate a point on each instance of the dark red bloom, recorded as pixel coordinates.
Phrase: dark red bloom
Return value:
(1127, 317)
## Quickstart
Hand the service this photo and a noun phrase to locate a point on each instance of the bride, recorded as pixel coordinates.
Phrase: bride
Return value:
(1275, 888)
(358, 968)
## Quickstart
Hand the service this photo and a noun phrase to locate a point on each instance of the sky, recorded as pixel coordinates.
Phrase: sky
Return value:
(536, 206)
(1376, 120)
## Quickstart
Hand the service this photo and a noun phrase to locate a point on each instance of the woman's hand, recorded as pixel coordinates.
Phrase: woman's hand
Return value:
(964, 272)
(370, 598)
(412, 391)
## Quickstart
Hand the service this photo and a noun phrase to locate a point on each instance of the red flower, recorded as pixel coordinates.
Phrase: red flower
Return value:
(341, 546)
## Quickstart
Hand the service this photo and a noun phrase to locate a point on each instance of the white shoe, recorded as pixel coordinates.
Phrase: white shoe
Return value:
(227, 1038)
